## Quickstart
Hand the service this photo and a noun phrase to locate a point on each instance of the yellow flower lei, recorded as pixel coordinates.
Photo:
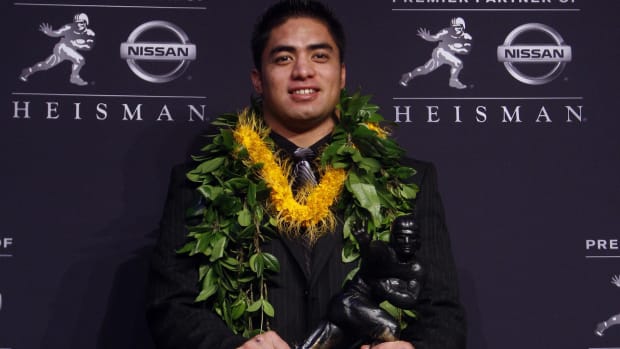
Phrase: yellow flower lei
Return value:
(239, 177)
(382, 133)
(308, 211)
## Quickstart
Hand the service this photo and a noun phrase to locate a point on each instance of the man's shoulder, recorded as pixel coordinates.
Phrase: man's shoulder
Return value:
(183, 167)
(417, 164)
(179, 173)
(422, 169)
(443, 32)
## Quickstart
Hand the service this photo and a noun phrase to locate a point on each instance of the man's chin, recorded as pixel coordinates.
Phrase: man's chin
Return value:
(407, 252)
(307, 116)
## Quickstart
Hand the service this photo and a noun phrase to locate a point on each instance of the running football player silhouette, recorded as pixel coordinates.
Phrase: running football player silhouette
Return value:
(453, 41)
(75, 37)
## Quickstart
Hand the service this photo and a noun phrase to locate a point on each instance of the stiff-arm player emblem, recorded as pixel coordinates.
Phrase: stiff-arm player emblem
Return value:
(74, 37)
(614, 320)
(452, 41)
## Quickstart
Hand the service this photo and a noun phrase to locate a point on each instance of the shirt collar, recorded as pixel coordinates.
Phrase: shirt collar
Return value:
(289, 147)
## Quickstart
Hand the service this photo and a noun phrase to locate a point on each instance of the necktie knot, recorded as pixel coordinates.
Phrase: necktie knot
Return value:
(301, 154)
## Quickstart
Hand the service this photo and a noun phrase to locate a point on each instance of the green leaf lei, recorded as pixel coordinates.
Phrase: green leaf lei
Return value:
(235, 219)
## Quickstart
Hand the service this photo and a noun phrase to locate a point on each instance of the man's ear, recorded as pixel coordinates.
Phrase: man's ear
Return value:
(257, 81)
(343, 76)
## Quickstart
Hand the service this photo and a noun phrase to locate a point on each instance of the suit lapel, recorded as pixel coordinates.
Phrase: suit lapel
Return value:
(322, 252)
(329, 246)
(296, 249)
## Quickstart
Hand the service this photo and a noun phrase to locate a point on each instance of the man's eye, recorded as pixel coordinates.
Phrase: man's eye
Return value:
(282, 59)
(321, 57)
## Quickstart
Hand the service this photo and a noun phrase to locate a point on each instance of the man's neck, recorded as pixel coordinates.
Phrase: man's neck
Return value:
(307, 137)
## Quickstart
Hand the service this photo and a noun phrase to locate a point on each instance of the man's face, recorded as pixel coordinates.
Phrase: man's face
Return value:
(404, 242)
(301, 76)
(458, 29)
(81, 25)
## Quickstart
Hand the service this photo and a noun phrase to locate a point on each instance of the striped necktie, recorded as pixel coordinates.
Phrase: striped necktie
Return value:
(303, 171)
(304, 176)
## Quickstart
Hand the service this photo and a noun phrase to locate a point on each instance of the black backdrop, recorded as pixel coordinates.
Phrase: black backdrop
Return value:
(81, 196)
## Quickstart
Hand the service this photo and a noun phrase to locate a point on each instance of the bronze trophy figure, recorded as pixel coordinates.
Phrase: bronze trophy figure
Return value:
(389, 272)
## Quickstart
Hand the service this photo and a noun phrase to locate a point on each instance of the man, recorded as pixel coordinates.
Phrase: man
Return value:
(453, 41)
(74, 37)
(298, 49)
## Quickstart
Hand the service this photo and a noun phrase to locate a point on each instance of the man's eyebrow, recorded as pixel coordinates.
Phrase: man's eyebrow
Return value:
(312, 47)
(281, 48)
(321, 46)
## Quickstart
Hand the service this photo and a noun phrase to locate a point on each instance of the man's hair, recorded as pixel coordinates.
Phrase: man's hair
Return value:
(284, 10)
(404, 222)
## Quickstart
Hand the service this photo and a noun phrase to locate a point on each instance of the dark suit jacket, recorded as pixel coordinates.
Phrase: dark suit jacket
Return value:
(300, 298)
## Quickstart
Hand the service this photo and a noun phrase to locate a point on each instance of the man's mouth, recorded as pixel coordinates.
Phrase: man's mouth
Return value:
(304, 91)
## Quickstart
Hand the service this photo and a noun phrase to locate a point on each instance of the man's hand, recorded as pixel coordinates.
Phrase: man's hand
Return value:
(390, 345)
(358, 229)
(46, 29)
(616, 280)
(424, 34)
(267, 340)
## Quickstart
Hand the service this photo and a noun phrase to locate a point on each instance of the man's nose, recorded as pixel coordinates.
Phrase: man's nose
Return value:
(303, 68)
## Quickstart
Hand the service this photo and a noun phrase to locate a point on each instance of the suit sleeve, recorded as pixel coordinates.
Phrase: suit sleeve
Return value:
(176, 321)
(441, 319)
